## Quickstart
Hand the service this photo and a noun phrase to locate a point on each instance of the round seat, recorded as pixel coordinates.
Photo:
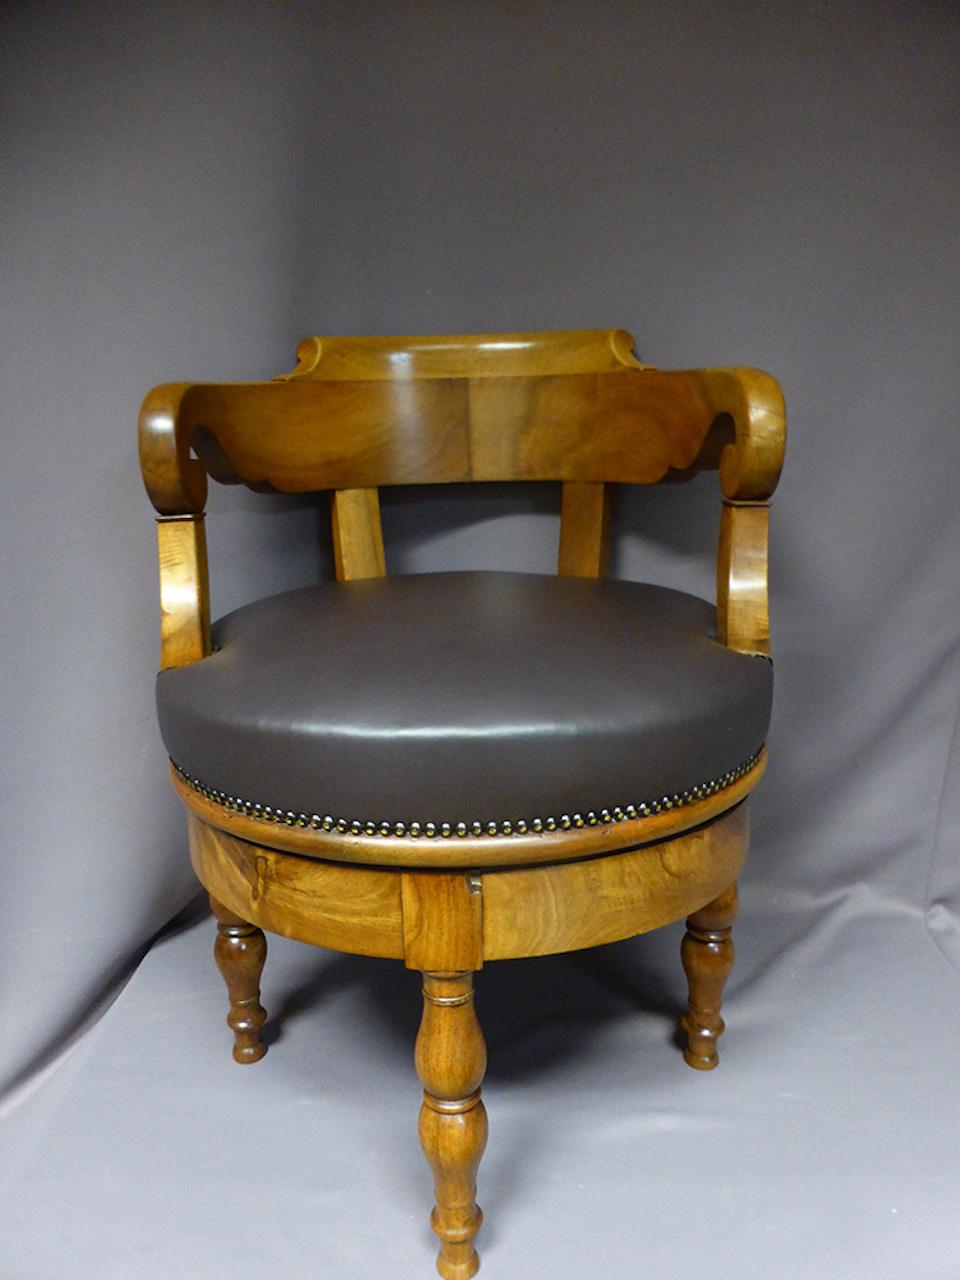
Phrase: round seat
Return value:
(483, 699)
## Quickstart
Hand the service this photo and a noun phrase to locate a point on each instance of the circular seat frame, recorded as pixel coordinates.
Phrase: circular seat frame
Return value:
(562, 844)
(470, 910)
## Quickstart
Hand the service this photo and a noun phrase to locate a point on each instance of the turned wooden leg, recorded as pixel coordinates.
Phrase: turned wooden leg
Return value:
(707, 954)
(451, 1060)
(240, 950)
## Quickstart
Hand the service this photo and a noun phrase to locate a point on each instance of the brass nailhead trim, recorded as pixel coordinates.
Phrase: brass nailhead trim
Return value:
(505, 827)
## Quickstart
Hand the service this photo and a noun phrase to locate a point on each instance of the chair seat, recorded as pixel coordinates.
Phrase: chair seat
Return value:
(465, 697)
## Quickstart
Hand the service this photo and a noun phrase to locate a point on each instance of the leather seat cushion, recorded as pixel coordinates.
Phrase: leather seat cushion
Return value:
(464, 696)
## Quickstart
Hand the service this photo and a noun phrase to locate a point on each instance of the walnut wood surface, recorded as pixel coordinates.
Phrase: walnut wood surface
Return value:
(354, 909)
(358, 413)
(535, 911)
(357, 535)
(742, 615)
(240, 951)
(707, 954)
(184, 591)
(630, 425)
(584, 530)
(451, 1060)
(464, 355)
(175, 480)
(469, 851)
(442, 920)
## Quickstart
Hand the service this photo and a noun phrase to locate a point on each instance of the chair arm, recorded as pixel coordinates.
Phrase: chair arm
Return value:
(749, 470)
(177, 486)
(175, 482)
(750, 463)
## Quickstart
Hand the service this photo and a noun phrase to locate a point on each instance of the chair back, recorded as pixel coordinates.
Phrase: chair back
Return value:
(360, 413)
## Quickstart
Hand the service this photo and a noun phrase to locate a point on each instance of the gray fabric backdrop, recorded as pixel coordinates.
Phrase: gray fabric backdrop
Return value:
(190, 189)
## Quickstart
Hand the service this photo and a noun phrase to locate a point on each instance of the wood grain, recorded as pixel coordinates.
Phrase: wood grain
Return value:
(707, 954)
(470, 915)
(458, 355)
(451, 1059)
(240, 951)
(354, 909)
(743, 621)
(184, 591)
(535, 911)
(623, 423)
(357, 535)
(751, 463)
(176, 482)
(584, 530)
(442, 920)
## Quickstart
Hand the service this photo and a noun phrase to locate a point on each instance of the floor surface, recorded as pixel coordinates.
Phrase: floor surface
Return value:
(826, 1145)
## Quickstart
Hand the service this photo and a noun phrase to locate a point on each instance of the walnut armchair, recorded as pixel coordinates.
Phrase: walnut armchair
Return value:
(455, 768)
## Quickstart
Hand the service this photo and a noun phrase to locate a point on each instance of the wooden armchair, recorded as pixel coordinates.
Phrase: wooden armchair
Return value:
(454, 768)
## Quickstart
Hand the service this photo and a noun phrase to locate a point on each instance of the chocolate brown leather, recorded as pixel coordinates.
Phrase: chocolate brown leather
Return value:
(462, 696)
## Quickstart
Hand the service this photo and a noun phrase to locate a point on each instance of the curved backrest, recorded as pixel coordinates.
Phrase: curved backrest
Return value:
(465, 355)
(359, 413)
(365, 412)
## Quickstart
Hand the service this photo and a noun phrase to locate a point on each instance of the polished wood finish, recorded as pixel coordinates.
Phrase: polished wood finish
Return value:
(354, 909)
(357, 535)
(175, 480)
(359, 413)
(572, 905)
(752, 403)
(240, 951)
(632, 425)
(449, 920)
(742, 615)
(184, 591)
(707, 953)
(470, 851)
(460, 355)
(442, 920)
(584, 530)
(451, 1059)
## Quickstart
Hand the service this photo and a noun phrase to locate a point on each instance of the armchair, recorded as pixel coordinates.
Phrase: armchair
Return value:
(452, 769)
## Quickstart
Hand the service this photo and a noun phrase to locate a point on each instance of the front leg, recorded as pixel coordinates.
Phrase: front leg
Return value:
(707, 954)
(240, 951)
(451, 1060)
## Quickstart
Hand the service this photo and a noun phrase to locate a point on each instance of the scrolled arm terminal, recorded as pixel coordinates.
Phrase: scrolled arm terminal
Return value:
(175, 482)
(749, 470)
(177, 487)
(750, 465)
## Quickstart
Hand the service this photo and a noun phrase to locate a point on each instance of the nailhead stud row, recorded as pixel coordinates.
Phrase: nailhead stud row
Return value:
(445, 830)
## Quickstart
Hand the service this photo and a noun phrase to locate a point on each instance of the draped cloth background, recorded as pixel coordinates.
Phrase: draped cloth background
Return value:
(190, 189)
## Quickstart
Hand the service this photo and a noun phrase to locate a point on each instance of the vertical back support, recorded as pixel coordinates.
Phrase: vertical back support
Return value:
(357, 535)
(584, 527)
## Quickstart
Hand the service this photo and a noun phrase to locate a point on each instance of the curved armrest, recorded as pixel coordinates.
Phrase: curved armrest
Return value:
(177, 486)
(750, 467)
(633, 425)
(175, 482)
(752, 400)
